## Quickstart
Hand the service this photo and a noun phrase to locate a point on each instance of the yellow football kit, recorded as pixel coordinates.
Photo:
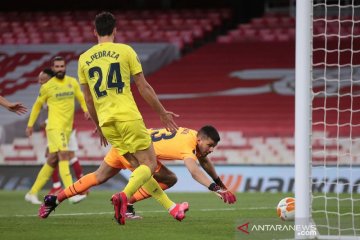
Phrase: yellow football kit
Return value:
(168, 146)
(59, 95)
(107, 68)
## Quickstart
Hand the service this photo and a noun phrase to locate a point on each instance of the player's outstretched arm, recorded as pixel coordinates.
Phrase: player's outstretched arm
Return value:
(196, 172)
(200, 177)
(149, 95)
(209, 168)
(17, 108)
(91, 109)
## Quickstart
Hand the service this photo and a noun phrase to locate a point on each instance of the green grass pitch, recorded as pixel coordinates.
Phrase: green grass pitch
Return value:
(208, 218)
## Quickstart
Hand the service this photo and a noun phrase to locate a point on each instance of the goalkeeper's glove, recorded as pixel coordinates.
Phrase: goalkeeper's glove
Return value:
(225, 194)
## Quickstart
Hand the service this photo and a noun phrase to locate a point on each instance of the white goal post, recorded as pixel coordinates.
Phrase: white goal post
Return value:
(327, 119)
(302, 116)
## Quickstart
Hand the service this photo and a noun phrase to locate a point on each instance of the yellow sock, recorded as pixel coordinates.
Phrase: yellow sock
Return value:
(138, 177)
(153, 188)
(142, 194)
(41, 179)
(65, 174)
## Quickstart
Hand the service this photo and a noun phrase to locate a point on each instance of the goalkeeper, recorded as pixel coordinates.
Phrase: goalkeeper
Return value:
(185, 144)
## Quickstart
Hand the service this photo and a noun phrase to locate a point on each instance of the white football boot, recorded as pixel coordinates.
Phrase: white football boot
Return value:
(76, 199)
(32, 198)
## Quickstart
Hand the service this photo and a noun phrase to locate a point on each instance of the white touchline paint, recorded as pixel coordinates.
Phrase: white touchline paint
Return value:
(152, 211)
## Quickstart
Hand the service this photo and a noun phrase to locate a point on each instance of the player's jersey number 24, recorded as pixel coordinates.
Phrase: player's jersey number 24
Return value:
(112, 78)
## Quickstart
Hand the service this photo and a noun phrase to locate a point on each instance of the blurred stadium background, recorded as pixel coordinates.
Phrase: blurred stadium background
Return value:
(225, 63)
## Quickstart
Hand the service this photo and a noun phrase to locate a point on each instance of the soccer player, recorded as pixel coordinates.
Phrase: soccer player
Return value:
(185, 144)
(17, 108)
(104, 73)
(59, 94)
(45, 76)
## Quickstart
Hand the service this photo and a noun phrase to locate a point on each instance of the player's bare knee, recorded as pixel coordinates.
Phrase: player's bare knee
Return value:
(52, 160)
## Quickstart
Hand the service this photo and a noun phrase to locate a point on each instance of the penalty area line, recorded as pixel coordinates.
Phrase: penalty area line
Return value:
(151, 211)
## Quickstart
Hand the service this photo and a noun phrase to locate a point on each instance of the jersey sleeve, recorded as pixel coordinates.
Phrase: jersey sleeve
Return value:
(134, 62)
(81, 74)
(37, 106)
(80, 96)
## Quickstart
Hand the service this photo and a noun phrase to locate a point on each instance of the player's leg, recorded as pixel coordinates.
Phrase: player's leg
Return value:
(165, 178)
(176, 210)
(75, 164)
(56, 183)
(152, 188)
(73, 146)
(41, 179)
(64, 163)
(65, 174)
(64, 169)
(146, 161)
(56, 187)
(131, 137)
(101, 175)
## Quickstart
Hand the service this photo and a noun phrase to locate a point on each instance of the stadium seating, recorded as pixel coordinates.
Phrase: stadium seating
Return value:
(268, 28)
(234, 148)
(281, 28)
(180, 27)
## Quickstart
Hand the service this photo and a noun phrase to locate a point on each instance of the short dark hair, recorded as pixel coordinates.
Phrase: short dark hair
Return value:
(57, 58)
(105, 23)
(211, 132)
(49, 72)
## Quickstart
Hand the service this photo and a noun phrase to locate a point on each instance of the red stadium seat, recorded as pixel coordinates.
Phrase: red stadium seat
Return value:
(76, 27)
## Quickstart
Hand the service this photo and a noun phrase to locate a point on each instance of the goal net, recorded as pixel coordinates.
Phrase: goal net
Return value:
(334, 137)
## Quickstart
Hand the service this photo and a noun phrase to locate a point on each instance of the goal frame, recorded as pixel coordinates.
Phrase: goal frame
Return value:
(303, 120)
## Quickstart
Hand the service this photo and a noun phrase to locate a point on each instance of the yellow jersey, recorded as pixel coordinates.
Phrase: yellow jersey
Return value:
(106, 68)
(59, 95)
(174, 146)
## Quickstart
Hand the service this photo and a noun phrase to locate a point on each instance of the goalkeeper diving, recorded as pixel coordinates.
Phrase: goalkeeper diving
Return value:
(185, 144)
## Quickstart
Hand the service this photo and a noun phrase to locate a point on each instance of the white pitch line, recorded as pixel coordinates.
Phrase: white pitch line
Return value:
(152, 211)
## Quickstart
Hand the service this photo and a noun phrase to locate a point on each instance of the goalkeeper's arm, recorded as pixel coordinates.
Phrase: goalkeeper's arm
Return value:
(200, 177)
(209, 168)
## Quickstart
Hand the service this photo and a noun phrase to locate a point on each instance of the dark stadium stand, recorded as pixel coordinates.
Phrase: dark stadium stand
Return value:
(270, 28)
(180, 27)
